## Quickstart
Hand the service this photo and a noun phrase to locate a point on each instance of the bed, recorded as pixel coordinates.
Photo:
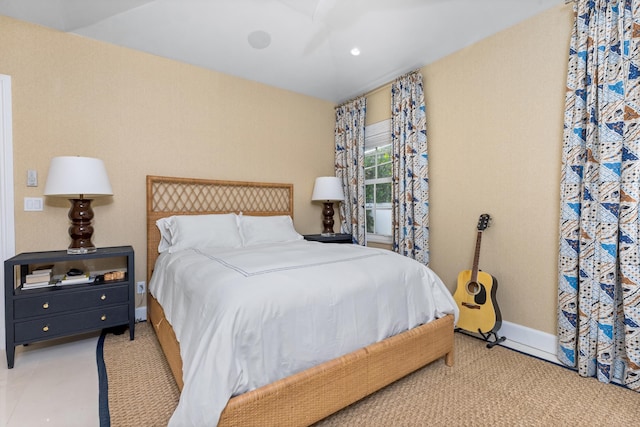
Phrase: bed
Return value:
(311, 394)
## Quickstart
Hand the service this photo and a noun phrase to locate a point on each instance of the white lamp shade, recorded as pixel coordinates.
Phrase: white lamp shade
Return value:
(71, 176)
(327, 188)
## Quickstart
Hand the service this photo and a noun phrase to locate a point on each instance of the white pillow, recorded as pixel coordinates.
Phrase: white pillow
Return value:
(164, 225)
(256, 230)
(199, 231)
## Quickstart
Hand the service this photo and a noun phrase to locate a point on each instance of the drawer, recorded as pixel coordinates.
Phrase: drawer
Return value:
(60, 301)
(56, 326)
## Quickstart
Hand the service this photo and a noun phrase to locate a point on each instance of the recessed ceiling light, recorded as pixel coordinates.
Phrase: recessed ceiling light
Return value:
(355, 51)
(259, 39)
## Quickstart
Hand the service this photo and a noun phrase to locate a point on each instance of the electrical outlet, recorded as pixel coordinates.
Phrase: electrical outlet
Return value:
(141, 287)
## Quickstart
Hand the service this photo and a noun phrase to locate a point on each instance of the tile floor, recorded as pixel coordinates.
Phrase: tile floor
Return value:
(53, 383)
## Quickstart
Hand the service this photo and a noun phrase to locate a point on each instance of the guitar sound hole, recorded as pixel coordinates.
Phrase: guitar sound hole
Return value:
(473, 288)
(478, 291)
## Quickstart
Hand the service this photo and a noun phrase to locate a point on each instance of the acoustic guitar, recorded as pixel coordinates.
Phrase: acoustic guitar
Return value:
(476, 295)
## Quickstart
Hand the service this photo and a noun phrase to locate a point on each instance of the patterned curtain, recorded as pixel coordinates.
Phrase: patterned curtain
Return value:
(410, 181)
(599, 263)
(349, 138)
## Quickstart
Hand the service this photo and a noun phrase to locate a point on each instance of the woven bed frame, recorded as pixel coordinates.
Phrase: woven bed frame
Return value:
(315, 393)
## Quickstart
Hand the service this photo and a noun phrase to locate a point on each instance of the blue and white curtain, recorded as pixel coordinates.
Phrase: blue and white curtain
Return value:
(349, 159)
(599, 259)
(410, 182)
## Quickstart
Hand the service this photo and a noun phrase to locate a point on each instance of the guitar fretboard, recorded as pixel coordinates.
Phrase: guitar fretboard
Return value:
(476, 258)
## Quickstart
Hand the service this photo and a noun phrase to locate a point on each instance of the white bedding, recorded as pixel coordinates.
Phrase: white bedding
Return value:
(249, 316)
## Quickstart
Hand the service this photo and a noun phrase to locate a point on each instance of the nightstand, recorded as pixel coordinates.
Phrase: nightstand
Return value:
(52, 312)
(335, 238)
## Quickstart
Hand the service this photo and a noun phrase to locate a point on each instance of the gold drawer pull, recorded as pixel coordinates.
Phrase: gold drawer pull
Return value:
(45, 305)
(103, 317)
(45, 328)
(103, 297)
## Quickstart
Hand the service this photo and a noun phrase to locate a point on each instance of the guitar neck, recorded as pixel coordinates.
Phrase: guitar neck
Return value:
(476, 258)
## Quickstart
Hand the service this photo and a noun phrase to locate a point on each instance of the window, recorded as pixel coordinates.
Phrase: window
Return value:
(378, 166)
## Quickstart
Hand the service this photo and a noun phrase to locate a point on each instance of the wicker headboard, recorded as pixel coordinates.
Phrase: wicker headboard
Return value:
(167, 196)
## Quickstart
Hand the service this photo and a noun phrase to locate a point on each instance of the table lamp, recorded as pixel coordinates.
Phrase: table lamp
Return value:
(327, 189)
(79, 179)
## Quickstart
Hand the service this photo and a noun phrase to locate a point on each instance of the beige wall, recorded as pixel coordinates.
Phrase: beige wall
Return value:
(494, 116)
(494, 126)
(495, 112)
(143, 115)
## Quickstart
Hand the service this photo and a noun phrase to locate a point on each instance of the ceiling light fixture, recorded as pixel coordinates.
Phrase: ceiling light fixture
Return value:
(355, 51)
(259, 39)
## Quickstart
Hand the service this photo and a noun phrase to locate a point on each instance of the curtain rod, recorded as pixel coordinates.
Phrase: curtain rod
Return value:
(389, 84)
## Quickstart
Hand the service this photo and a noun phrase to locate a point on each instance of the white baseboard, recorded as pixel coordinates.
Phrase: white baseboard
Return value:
(141, 314)
(530, 341)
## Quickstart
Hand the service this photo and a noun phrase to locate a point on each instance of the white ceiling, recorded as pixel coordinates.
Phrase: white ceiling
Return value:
(310, 40)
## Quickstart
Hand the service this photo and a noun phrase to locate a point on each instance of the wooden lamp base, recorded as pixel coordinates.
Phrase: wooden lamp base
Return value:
(81, 229)
(327, 220)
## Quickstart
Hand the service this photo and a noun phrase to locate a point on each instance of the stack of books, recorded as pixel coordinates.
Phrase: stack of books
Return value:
(77, 279)
(39, 278)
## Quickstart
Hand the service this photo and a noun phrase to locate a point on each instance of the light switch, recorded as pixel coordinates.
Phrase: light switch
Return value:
(32, 178)
(33, 204)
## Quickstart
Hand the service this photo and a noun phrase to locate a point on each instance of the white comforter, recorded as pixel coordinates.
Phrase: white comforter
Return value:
(247, 317)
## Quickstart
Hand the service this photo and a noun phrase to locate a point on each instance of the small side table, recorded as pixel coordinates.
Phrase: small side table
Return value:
(335, 238)
(52, 312)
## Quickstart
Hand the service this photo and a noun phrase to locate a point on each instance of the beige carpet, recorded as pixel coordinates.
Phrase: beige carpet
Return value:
(485, 387)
